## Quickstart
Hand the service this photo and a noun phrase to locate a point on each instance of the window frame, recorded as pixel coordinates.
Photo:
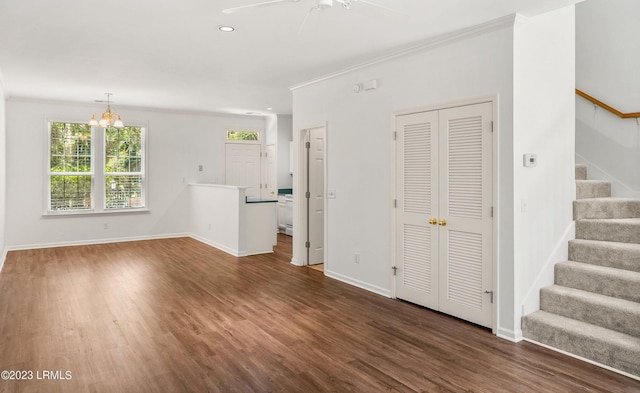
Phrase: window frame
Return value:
(243, 129)
(98, 173)
(142, 173)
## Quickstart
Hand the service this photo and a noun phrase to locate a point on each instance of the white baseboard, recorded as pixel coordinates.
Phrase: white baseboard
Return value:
(357, 283)
(220, 247)
(615, 370)
(510, 335)
(295, 262)
(95, 241)
(3, 257)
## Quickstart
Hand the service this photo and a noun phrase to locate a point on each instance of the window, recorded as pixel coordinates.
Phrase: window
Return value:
(123, 168)
(71, 170)
(242, 135)
(93, 169)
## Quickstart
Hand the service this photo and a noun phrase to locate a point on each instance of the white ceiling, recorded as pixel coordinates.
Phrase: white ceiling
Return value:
(170, 54)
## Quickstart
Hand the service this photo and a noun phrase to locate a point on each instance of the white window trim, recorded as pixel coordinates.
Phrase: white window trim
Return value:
(97, 174)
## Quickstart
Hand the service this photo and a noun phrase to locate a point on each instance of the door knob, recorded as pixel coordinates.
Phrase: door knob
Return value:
(433, 221)
(442, 222)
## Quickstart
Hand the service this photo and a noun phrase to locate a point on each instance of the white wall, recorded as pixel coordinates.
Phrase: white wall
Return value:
(359, 147)
(285, 135)
(608, 51)
(607, 63)
(3, 151)
(544, 120)
(610, 147)
(532, 78)
(177, 144)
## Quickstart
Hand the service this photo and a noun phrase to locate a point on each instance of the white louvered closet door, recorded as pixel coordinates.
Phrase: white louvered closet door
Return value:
(417, 203)
(465, 187)
(444, 172)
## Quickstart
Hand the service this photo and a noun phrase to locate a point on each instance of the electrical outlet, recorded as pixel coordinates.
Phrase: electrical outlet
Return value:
(356, 258)
(106, 226)
(200, 167)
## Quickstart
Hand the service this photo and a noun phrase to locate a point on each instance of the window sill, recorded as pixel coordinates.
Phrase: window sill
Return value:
(84, 213)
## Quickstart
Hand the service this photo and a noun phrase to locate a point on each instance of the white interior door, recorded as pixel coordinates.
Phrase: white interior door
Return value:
(465, 247)
(243, 167)
(417, 203)
(315, 195)
(270, 190)
(444, 223)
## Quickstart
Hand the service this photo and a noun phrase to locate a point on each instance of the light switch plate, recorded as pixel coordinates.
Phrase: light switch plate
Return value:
(529, 160)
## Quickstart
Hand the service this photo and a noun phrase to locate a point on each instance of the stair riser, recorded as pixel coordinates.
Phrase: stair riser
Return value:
(594, 311)
(608, 231)
(581, 172)
(586, 190)
(602, 255)
(598, 282)
(586, 209)
(613, 355)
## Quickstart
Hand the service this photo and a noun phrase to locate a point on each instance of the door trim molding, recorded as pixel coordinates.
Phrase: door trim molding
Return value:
(299, 255)
(494, 100)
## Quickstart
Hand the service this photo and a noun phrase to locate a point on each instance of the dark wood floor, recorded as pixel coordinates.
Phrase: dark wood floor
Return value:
(178, 316)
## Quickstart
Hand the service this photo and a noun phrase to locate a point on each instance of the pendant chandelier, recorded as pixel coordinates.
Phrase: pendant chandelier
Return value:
(109, 118)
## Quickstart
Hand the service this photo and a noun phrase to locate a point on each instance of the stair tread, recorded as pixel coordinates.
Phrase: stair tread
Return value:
(608, 199)
(624, 230)
(611, 271)
(606, 311)
(602, 345)
(593, 297)
(592, 181)
(562, 290)
(609, 281)
(585, 329)
(632, 221)
(604, 243)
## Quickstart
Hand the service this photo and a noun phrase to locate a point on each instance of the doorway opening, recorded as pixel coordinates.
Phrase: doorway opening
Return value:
(312, 208)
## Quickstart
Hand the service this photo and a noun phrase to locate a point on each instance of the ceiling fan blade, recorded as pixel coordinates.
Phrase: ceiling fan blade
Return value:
(256, 5)
(381, 7)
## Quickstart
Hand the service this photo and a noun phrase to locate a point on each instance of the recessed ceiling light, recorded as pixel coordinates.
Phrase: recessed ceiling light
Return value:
(269, 108)
(226, 29)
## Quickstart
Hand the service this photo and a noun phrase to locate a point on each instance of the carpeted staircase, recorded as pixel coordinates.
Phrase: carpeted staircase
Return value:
(593, 310)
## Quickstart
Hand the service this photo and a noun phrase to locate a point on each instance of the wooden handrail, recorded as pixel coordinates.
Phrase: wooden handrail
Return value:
(595, 101)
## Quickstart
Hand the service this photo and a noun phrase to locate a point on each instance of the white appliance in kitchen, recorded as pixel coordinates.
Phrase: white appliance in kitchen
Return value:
(282, 213)
(288, 199)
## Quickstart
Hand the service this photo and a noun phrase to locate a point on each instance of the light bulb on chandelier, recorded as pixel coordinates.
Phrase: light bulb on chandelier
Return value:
(108, 118)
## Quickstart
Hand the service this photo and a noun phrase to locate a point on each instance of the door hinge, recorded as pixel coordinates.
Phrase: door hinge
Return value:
(395, 270)
(307, 194)
(308, 245)
(491, 211)
(491, 294)
(395, 135)
(395, 203)
(491, 126)
(307, 145)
